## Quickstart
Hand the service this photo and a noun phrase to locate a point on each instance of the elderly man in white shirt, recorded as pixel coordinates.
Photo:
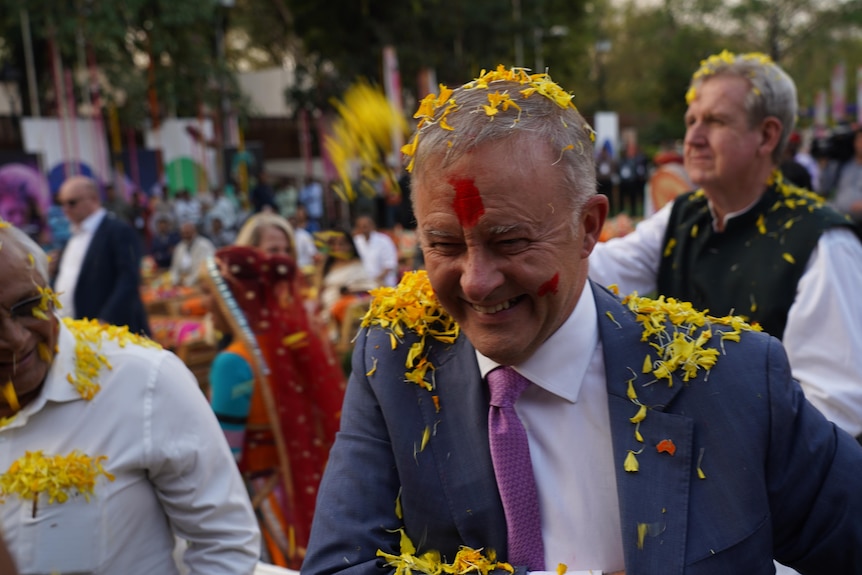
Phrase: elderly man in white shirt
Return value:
(110, 449)
(378, 252)
(189, 254)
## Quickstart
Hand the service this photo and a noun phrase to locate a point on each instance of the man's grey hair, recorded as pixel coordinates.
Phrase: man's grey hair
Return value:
(773, 92)
(11, 237)
(540, 121)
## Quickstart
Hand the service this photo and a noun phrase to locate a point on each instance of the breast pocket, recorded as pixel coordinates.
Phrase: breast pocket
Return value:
(63, 538)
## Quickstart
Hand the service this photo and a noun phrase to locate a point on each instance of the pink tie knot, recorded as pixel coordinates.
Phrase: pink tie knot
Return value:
(506, 386)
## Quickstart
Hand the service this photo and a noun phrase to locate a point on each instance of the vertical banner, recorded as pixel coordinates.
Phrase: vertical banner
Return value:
(427, 82)
(859, 95)
(839, 93)
(305, 143)
(392, 87)
(820, 114)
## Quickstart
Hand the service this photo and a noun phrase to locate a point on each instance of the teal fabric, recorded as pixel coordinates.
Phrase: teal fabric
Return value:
(231, 386)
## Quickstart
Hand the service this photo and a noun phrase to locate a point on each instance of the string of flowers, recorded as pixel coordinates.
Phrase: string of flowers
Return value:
(412, 306)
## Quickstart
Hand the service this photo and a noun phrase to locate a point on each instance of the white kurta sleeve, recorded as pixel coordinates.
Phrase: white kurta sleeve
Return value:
(631, 261)
(823, 336)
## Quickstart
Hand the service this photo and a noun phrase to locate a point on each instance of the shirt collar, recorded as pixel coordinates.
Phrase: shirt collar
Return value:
(56, 387)
(91, 222)
(559, 364)
(730, 215)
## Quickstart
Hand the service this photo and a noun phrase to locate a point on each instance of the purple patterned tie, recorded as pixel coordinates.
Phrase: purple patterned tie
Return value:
(511, 455)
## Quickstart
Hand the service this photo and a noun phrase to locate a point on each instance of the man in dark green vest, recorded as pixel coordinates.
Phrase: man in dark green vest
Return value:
(745, 242)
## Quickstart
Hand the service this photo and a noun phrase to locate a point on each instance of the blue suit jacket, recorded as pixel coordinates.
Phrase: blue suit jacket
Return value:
(108, 286)
(780, 480)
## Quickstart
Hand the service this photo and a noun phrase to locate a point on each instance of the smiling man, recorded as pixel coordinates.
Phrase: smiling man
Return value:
(108, 449)
(745, 242)
(525, 414)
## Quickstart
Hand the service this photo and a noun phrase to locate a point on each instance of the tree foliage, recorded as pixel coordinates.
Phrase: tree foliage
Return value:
(164, 48)
(335, 43)
(631, 57)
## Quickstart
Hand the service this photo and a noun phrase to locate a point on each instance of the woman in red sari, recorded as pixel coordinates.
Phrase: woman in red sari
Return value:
(276, 389)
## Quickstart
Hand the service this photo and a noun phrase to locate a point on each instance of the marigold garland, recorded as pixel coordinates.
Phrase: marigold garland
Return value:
(412, 306)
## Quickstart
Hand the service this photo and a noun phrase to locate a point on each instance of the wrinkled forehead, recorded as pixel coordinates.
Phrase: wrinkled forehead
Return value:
(76, 189)
(19, 265)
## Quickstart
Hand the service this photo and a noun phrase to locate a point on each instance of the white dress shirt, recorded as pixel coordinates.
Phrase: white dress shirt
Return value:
(73, 259)
(823, 336)
(305, 248)
(569, 431)
(378, 253)
(187, 259)
(188, 211)
(174, 474)
(225, 210)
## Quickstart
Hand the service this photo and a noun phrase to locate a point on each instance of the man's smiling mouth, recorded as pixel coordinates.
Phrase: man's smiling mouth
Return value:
(495, 308)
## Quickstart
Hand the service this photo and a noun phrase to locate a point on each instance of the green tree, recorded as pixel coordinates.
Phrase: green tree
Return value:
(158, 52)
(332, 44)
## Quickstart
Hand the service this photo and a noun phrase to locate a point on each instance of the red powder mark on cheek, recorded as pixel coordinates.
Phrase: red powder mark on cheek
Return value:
(467, 203)
(550, 286)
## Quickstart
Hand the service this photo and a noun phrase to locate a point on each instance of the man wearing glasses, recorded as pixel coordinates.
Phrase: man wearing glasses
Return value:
(98, 274)
(109, 452)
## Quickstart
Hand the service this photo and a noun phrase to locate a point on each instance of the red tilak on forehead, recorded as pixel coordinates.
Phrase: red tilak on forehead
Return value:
(467, 203)
(550, 286)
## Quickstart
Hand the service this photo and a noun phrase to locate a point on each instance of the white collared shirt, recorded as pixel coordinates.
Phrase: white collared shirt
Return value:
(823, 336)
(568, 427)
(174, 473)
(187, 259)
(73, 259)
(378, 254)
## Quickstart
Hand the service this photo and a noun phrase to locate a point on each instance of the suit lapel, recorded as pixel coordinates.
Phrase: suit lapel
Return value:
(653, 500)
(460, 446)
(97, 242)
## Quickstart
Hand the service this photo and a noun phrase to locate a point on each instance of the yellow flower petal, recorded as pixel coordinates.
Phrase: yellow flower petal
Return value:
(647, 367)
(640, 415)
(10, 396)
(631, 462)
(642, 531)
(371, 371)
(668, 249)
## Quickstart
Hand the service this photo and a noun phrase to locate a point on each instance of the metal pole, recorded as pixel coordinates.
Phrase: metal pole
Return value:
(28, 60)
(519, 38)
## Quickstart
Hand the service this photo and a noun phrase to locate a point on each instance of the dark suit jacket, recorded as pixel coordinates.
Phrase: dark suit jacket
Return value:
(780, 480)
(108, 286)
